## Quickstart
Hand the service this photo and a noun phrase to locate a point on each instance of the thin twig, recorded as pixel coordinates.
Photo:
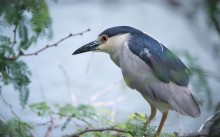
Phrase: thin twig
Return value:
(40, 85)
(46, 47)
(41, 124)
(50, 128)
(9, 105)
(99, 130)
(55, 44)
(11, 109)
(103, 91)
(14, 41)
(51, 122)
(83, 120)
(70, 92)
(15, 33)
(86, 72)
(189, 135)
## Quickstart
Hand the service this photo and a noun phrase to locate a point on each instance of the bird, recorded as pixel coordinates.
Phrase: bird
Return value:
(150, 68)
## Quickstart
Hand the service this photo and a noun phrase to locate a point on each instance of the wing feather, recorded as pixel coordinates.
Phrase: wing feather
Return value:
(165, 65)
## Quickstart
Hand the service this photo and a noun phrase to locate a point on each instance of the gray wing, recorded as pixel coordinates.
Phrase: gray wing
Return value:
(165, 65)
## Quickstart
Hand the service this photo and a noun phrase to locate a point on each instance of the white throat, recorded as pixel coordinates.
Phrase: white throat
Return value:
(115, 44)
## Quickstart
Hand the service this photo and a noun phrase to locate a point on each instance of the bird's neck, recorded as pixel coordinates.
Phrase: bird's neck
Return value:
(117, 44)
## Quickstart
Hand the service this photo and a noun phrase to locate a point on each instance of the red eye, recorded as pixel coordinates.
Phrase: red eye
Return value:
(104, 38)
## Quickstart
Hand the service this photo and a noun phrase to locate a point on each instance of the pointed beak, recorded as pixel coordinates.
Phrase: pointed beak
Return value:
(88, 47)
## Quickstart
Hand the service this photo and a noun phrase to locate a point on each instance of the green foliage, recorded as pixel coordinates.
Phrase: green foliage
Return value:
(87, 114)
(28, 20)
(15, 128)
(16, 73)
(41, 109)
(213, 13)
(102, 134)
(81, 112)
(30, 16)
(135, 126)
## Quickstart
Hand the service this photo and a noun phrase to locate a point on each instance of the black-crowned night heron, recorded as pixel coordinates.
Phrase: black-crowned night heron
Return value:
(150, 68)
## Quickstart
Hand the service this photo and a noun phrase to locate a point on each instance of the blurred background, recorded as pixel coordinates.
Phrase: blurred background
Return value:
(189, 28)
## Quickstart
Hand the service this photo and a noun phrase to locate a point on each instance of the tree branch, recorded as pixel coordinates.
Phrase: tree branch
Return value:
(98, 130)
(55, 44)
(14, 40)
(127, 132)
(42, 124)
(47, 46)
(50, 128)
(189, 135)
(83, 120)
(9, 105)
(15, 33)
(11, 109)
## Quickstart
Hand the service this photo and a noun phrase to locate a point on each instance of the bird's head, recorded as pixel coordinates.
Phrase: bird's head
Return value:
(109, 40)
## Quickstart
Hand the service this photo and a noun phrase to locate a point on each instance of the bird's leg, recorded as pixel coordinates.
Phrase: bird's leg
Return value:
(162, 121)
(152, 115)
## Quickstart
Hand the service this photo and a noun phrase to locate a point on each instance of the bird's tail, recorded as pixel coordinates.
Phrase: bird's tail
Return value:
(185, 102)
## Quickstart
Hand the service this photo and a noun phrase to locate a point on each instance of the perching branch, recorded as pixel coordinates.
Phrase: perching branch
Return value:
(86, 130)
(98, 130)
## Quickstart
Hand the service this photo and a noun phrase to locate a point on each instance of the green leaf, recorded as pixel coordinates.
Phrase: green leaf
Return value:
(41, 109)
(86, 110)
(135, 125)
(66, 123)
(23, 31)
(67, 110)
(16, 73)
(27, 20)
(5, 47)
(15, 128)
(23, 96)
(40, 17)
